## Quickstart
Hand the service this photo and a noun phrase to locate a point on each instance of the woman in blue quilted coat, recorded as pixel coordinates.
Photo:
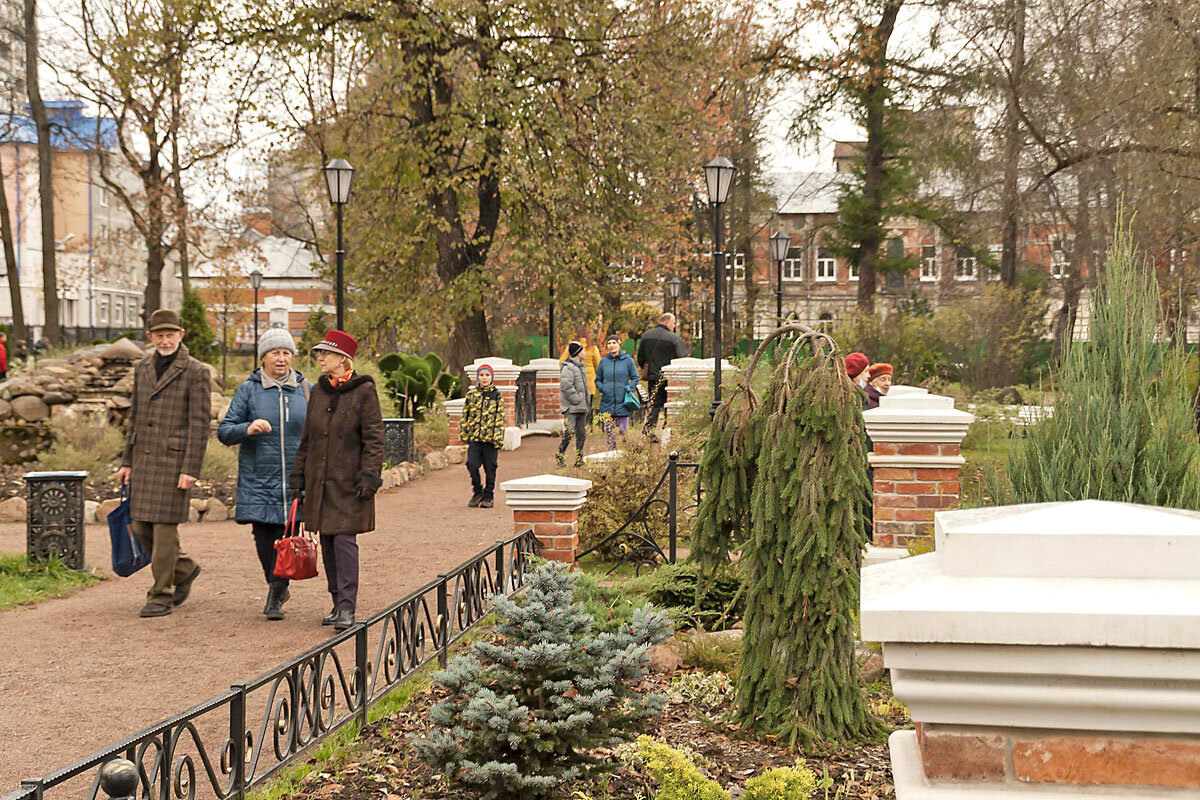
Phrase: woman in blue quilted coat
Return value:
(266, 418)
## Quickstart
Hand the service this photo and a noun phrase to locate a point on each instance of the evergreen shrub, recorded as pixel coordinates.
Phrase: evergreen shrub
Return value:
(199, 338)
(782, 783)
(676, 775)
(714, 603)
(524, 713)
(1123, 427)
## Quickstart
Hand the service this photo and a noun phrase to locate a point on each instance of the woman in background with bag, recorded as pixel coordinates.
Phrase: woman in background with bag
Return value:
(266, 418)
(338, 468)
(616, 381)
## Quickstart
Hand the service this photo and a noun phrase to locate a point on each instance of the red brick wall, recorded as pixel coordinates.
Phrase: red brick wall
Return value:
(556, 531)
(906, 497)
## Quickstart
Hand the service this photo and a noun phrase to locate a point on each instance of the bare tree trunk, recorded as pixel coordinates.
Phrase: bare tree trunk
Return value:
(181, 222)
(45, 175)
(873, 156)
(1012, 149)
(19, 334)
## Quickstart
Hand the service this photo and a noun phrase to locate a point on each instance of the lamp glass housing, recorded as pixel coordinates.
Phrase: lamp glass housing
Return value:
(256, 279)
(338, 177)
(780, 242)
(718, 176)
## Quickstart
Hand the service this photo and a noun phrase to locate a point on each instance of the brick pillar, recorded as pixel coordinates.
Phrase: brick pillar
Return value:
(506, 373)
(550, 505)
(454, 412)
(916, 457)
(549, 370)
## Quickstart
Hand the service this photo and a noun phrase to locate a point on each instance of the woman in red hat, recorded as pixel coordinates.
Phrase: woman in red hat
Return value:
(339, 463)
(879, 381)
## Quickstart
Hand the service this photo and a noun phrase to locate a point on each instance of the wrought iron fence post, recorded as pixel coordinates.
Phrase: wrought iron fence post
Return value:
(167, 757)
(501, 584)
(237, 737)
(443, 605)
(360, 666)
(35, 787)
(673, 499)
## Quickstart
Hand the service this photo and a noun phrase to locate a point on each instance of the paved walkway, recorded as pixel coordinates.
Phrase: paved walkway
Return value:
(81, 672)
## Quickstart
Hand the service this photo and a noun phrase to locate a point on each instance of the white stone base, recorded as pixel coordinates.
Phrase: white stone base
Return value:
(596, 459)
(911, 784)
(882, 555)
(512, 438)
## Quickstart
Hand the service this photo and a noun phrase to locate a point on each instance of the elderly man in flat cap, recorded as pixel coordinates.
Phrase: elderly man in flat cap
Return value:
(164, 448)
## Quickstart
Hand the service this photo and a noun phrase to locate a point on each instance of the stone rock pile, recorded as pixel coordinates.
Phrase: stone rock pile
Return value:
(92, 380)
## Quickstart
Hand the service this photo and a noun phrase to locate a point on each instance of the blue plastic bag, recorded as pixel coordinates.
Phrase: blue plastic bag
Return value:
(128, 555)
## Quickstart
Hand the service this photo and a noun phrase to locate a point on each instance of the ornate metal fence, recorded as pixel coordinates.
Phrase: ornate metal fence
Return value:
(526, 398)
(242, 737)
(636, 542)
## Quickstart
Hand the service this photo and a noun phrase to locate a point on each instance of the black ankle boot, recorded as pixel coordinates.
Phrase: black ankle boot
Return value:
(277, 595)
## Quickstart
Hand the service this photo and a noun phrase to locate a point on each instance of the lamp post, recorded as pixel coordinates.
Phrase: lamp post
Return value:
(675, 286)
(780, 242)
(338, 177)
(552, 337)
(718, 176)
(256, 282)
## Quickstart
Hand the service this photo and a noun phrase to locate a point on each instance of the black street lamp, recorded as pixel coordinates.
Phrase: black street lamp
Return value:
(780, 242)
(552, 337)
(256, 282)
(675, 287)
(718, 176)
(338, 177)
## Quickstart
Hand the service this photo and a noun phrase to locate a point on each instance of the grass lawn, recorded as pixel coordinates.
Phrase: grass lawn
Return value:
(23, 583)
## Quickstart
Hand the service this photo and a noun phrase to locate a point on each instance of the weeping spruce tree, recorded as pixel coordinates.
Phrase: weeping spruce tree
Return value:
(1123, 425)
(801, 536)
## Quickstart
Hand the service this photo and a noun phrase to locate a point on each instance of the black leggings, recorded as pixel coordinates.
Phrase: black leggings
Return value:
(265, 536)
(574, 424)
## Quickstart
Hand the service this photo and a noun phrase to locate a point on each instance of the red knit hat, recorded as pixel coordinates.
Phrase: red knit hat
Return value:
(338, 342)
(485, 368)
(856, 363)
(879, 369)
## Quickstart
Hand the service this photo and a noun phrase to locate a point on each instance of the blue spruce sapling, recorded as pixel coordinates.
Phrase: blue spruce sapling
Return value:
(524, 713)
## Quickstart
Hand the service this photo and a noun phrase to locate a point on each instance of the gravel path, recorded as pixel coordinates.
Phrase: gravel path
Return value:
(83, 671)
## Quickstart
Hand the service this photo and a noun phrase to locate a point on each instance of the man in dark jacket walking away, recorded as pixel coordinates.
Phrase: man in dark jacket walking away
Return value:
(659, 346)
(164, 448)
(574, 403)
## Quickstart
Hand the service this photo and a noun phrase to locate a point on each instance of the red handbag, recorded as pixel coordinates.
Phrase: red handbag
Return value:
(296, 552)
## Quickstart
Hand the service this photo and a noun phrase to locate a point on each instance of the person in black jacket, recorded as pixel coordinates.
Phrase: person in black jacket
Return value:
(659, 346)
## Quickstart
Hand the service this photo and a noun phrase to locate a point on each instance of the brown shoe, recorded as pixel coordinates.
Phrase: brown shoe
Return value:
(155, 610)
(184, 588)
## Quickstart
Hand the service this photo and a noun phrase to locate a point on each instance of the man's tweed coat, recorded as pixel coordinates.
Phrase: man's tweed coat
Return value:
(168, 432)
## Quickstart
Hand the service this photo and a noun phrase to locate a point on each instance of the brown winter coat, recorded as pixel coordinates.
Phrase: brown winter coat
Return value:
(340, 456)
(167, 435)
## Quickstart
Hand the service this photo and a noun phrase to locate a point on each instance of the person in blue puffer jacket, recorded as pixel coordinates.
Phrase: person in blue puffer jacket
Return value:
(616, 374)
(266, 418)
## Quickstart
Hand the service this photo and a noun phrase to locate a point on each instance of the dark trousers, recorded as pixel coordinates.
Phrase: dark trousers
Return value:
(574, 424)
(658, 400)
(168, 563)
(265, 536)
(487, 456)
(339, 553)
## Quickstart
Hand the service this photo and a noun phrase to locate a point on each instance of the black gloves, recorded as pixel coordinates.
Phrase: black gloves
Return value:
(295, 494)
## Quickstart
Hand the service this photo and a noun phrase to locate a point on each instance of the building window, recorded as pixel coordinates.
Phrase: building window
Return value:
(118, 312)
(102, 311)
(738, 263)
(931, 270)
(825, 322)
(1058, 260)
(997, 253)
(102, 195)
(852, 270)
(826, 268)
(1176, 258)
(793, 265)
(966, 268)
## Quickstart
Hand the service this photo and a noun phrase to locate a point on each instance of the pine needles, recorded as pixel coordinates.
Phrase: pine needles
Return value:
(1123, 425)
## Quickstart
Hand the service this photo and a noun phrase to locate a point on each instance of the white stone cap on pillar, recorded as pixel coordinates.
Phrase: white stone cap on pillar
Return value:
(911, 414)
(695, 370)
(546, 493)
(1086, 573)
(504, 368)
(547, 369)
(454, 408)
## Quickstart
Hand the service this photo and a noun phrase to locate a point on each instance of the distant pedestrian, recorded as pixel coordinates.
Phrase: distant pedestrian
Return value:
(590, 357)
(164, 448)
(615, 376)
(573, 402)
(856, 368)
(338, 466)
(659, 346)
(3, 356)
(879, 382)
(482, 430)
(266, 418)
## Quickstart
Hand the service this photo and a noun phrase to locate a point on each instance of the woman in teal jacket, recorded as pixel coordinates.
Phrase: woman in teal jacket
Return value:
(614, 377)
(266, 418)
